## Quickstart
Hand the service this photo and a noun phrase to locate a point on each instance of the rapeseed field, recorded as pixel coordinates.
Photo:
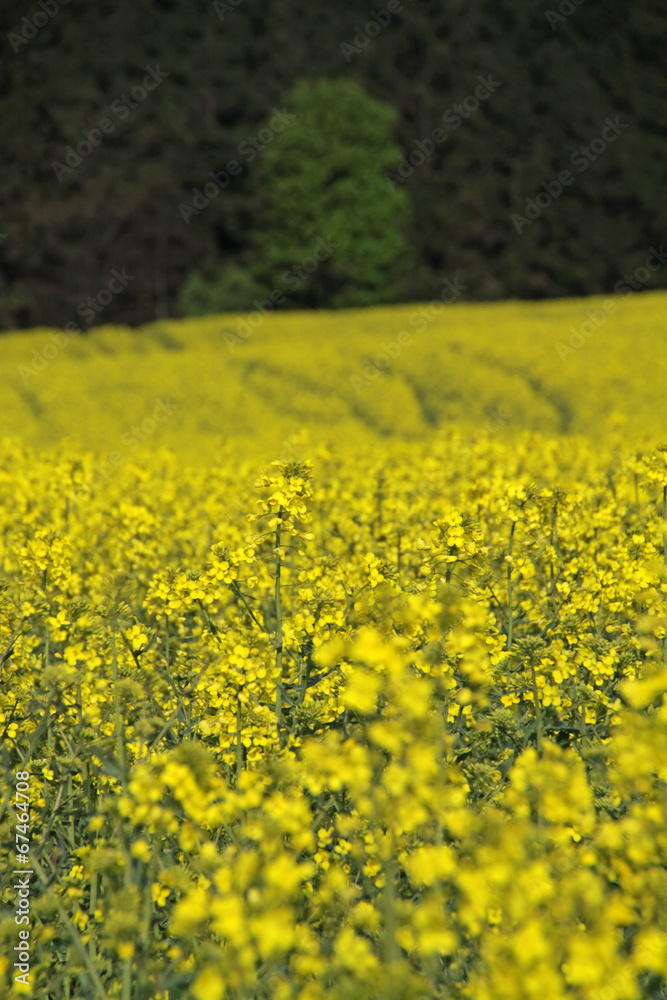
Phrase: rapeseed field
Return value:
(251, 382)
(334, 656)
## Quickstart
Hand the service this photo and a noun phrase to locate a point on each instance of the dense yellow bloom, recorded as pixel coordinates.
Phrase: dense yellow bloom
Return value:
(385, 716)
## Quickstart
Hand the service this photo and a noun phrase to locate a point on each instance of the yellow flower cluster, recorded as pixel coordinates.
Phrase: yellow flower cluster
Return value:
(399, 741)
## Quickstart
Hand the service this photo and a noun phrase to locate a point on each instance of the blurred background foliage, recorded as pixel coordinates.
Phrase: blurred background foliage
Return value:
(361, 104)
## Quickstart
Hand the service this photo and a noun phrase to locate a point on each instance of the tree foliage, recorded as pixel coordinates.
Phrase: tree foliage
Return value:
(559, 81)
(325, 182)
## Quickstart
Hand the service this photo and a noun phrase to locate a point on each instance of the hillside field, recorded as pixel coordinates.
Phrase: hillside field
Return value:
(345, 376)
(333, 656)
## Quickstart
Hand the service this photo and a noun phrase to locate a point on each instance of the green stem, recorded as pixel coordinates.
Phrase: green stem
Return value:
(552, 540)
(127, 980)
(118, 716)
(91, 911)
(279, 630)
(510, 622)
(239, 745)
(303, 682)
(389, 913)
(49, 729)
(236, 590)
(538, 712)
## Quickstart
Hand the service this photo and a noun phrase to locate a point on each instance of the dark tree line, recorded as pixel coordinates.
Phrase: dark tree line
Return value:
(113, 113)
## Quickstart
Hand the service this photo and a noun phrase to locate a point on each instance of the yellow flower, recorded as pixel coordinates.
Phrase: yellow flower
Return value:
(209, 984)
(428, 864)
(141, 849)
(190, 912)
(362, 691)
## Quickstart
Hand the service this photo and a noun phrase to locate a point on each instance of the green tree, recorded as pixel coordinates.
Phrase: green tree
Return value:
(326, 186)
(235, 289)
